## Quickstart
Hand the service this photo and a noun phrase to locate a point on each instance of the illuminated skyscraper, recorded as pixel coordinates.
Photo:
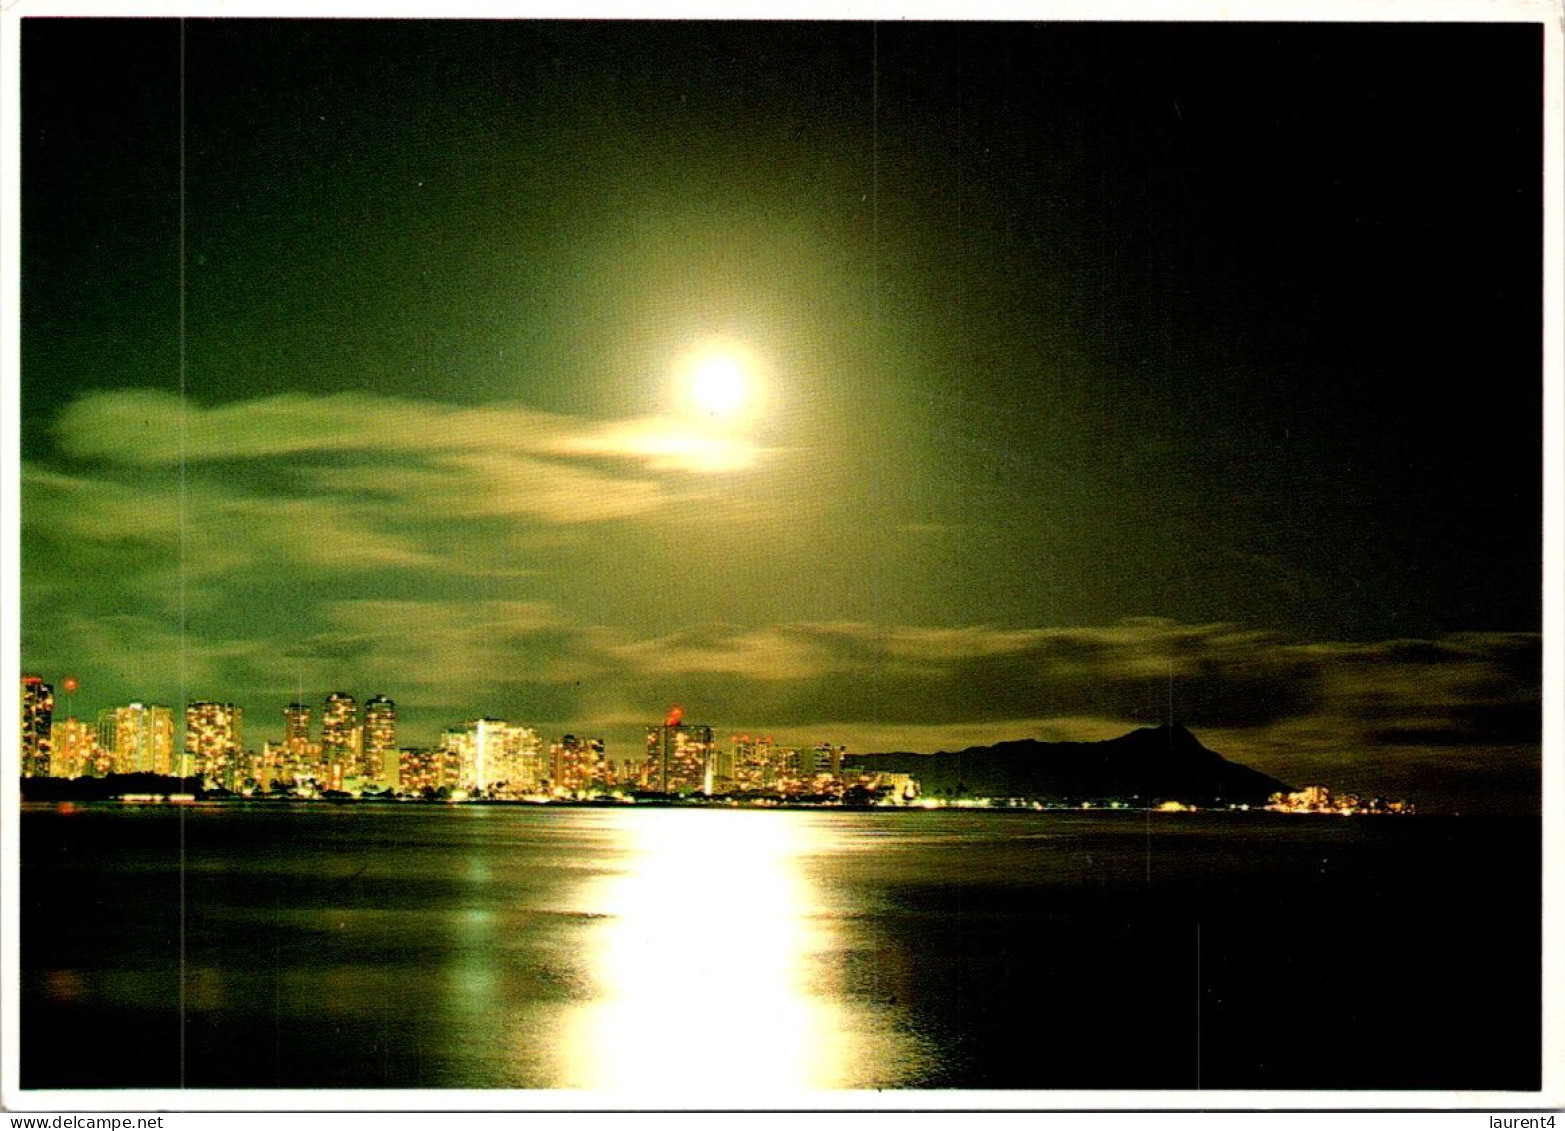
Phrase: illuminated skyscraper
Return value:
(37, 722)
(342, 739)
(723, 779)
(420, 769)
(296, 723)
(756, 763)
(139, 738)
(300, 757)
(380, 740)
(273, 764)
(423, 768)
(214, 743)
(827, 758)
(790, 769)
(495, 754)
(578, 763)
(74, 751)
(679, 756)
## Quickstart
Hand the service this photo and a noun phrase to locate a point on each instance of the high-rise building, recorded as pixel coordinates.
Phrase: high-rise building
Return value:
(460, 745)
(296, 723)
(420, 769)
(492, 754)
(342, 738)
(37, 724)
(723, 779)
(380, 740)
(578, 763)
(273, 764)
(791, 773)
(139, 738)
(759, 765)
(679, 757)
(827, 759)
(214, 744)
(300, 757)
(74, 750)
(756, 763)
(820, 769)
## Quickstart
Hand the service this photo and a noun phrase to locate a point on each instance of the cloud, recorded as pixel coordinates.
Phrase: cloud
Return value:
(150, 658)
(148, 427)
(206, 528)
(413, 566)
(492, 484)
(1353, 714)
(906, 674)
(164, 500)
(339, 540)
(661, 444)
(779, 654)
(85, 507)
(1217, 675)
(440, 650)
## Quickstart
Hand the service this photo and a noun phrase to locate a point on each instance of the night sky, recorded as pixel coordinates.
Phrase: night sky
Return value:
(1096, 373)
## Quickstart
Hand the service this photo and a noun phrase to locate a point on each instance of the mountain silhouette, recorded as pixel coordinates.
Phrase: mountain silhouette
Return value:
(1151, 765)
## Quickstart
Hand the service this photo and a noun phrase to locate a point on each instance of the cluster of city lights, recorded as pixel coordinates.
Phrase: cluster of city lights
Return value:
(354, 752)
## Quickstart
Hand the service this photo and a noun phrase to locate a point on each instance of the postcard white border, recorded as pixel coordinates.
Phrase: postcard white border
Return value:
(1552, 1094)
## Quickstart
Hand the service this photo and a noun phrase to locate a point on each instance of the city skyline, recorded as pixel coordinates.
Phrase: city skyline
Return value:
(358, 752)
(375, 725)
(496, 759)
(911, 387)
(298, 718)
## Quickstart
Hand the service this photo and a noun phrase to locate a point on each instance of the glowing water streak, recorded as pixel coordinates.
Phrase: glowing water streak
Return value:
(702, 965)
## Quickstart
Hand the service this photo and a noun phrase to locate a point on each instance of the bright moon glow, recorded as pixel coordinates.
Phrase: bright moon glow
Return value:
(719, 385)
(722, 382)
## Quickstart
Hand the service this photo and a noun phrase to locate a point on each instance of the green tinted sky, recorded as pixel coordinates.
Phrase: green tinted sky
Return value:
(1090, 353)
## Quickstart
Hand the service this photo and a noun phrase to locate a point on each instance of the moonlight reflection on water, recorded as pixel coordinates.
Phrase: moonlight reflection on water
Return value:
(743, 958)
(731, 992)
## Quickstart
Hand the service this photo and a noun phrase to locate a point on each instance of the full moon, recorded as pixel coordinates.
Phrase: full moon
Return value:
(719, 385)
(722, 381)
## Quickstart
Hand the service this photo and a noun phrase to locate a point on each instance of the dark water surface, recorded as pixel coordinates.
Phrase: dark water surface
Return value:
(744, 953)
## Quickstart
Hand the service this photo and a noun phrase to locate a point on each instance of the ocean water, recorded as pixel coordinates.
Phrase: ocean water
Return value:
(740, 955)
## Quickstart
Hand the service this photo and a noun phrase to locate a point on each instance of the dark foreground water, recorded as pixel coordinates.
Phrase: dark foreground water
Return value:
(740, 954)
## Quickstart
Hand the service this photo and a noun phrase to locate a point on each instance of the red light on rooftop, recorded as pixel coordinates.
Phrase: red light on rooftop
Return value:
(71, 685)
(675, 713)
